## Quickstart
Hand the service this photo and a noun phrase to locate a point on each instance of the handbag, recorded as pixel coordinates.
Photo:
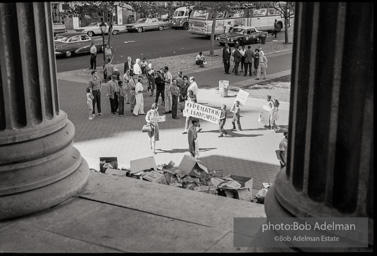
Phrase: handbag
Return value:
(146, 128)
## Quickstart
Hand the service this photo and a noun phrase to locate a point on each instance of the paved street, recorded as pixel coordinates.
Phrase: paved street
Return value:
(149, 44)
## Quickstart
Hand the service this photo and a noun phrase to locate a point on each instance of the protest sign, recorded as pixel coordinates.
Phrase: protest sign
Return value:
(242, 96)
(203, 112)
(157, 119)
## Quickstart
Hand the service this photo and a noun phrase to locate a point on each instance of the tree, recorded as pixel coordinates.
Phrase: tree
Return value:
(286, 10)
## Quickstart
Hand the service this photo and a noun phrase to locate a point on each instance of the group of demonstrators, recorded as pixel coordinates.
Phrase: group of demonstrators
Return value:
(244, 59)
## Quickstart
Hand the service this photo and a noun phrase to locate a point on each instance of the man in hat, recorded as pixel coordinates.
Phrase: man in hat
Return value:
(283, 145)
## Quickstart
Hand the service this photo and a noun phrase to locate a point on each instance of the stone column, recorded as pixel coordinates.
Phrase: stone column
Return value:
(39, 167)
(330, 141)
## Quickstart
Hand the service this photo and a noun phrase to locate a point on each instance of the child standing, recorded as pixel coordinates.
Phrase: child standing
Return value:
(222, 121)
(236, 115)
(89, 102)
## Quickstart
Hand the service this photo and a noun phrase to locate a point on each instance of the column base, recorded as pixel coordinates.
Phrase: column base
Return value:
(24, 203)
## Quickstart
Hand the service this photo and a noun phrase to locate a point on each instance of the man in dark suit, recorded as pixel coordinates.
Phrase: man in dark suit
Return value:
(129, 65)
(237, 59)
(226, 58)
(248, 60)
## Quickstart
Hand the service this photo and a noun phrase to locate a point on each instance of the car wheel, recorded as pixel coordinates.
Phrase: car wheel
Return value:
(139, 30)
(160, 28)
(68, 54)
(90, 33)
(115, 32)
(186, 26)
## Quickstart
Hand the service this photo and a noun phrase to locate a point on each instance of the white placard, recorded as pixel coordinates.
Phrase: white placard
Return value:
(158, 119)
(203, 112)
(242, 96)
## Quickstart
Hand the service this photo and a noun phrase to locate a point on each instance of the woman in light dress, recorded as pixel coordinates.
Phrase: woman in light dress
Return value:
(139, 107)
(137, 68)
(274, 115)
(126, 79)
(154, 135)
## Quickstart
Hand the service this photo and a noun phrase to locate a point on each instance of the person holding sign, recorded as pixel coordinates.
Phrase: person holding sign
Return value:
(191, 98)
(236, 115)
(154, 134)
(193, 139)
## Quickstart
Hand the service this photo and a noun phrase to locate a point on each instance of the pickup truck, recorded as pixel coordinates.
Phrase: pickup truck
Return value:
(70, 43)
(59, 28)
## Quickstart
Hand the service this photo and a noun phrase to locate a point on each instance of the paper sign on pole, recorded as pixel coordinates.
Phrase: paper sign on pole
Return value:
(203, 112)
(158, 119)
(242, 96)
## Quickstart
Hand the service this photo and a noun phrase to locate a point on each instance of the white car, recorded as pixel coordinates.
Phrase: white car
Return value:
(94, 29)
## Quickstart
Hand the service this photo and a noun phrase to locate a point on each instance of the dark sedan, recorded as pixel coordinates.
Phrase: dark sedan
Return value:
(67, 44)
(242, 35)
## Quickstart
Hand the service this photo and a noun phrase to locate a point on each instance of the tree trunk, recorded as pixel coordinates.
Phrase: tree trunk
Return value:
(212, 51)
(286, 30)
(110, 32)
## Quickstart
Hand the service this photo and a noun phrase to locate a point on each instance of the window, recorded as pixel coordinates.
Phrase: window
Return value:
(179, 13)
(199, 14)
(141, 20)
(84, 38)
(61, 38)
(252, 30)
(220, 15)
(187, 13)
(74, 39)
(260, 12)
(154, 20)
(237, 14)
(273, 12)
(237, 30)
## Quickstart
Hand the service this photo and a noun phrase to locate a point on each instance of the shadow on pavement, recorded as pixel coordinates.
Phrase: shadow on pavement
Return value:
(260, 172)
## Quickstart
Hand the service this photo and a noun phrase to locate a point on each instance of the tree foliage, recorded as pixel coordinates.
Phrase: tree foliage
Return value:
(286, 10)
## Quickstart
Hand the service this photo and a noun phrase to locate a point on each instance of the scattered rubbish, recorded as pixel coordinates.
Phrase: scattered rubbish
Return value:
(261, 194)
(143, 164)
(193, 167)
(107, 162)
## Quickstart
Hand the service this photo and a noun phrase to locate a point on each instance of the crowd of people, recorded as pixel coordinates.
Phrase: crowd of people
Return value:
(243, 59)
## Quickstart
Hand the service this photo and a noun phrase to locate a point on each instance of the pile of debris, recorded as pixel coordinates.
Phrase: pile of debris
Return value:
(190, 174)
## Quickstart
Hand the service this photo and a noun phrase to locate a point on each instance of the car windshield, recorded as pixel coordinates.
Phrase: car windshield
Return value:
(178, 13)
(237, 30)
(92, 24)
(61, 38)
(141, 20)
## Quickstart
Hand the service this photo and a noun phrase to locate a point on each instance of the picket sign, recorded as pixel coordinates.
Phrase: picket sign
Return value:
(242, 97)
(158, 119)
(203, 112)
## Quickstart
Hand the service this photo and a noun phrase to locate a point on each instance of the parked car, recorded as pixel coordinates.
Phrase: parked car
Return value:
(59, 28)
(93, 29)
(69, 43)
(147, 24)
(242, 35)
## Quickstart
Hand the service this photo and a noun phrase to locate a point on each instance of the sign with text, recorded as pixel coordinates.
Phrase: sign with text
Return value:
(242, 96)
(203, 112)
(158, 119)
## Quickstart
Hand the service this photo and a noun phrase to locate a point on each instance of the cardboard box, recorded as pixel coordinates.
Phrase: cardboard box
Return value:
(206, 189)
(155, 177)
(193, 167)
(243, 193)
(143, 164)
(112, 160)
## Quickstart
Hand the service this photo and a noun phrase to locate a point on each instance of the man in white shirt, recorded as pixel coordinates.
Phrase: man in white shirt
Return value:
(227, 27)
(242, 50)
(193, 87)
(168, 97)
(93, 56)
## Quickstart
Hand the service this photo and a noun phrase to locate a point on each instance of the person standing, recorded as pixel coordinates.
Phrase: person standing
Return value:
(275, 115)
(227, 27)
(256, 61)
(222, 121)
(270, 106)
(276, 28)
(248, 60)
(89, 102)
(236, 115)
(283, 149)
(191, 97)
(183, 92)
(108, 69)
(154, 134)
(132, 84)
(93, 56)
(174, 90)
(160, 87)
(126, 80)
(237, 59)
(129, 65)
(112, 90)
(139, 107)
(179, 79)
(116, 73)
(168, 82)
(151, 78)
(226, 58)
(96, 86)
(262, 65)
(121, 96)
(193, 87)
(108, 53)
(137, 68)
(242, 50)
(193, 139)
(143, 66)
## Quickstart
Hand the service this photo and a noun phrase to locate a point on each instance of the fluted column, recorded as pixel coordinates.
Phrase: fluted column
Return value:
(330, 141)
(39, 167)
